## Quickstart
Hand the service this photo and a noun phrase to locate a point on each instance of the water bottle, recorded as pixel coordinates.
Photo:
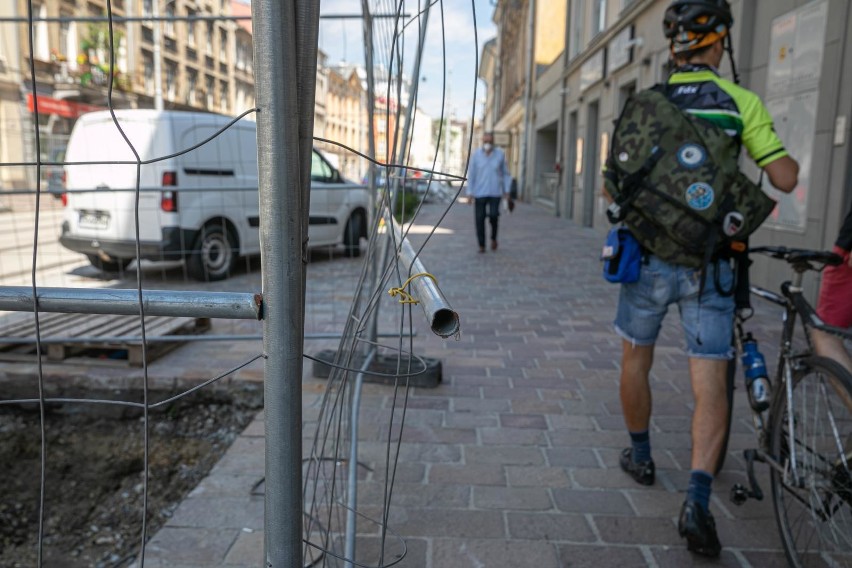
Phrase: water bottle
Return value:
(756, 379)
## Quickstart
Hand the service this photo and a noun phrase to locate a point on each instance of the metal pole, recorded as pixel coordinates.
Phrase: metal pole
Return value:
(281, 215)
(227, 305)
(158, 63)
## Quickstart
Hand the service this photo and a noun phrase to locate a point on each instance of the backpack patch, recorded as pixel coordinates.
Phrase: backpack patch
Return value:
(676, 183)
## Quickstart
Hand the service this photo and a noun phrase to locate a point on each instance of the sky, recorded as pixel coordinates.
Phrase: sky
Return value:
(342, 40)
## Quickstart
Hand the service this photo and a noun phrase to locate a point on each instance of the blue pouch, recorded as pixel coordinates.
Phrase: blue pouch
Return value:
(622, 256)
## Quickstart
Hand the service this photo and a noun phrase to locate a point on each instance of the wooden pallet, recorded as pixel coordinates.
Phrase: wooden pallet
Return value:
(59, 327)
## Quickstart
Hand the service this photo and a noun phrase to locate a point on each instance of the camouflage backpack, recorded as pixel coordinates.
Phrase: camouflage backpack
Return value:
(676, 184)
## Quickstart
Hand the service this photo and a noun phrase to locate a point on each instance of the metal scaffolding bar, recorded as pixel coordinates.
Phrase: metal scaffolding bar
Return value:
(282, 217)
(225, 305)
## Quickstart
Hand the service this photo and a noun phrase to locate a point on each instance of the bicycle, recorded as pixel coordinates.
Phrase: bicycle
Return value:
(806, 438)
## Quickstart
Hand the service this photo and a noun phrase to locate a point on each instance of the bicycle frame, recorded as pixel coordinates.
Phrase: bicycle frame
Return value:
(796, 308)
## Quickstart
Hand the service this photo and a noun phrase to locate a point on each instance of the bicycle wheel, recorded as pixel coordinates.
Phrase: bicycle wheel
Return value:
(813, 492)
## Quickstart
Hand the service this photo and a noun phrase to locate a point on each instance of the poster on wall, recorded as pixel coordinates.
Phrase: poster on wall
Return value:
(792, 93)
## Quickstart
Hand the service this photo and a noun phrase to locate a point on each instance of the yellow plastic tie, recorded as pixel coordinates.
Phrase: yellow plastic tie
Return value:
(405, 297)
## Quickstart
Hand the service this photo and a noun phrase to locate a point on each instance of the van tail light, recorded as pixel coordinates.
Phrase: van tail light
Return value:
(64, 198)
(169, 201)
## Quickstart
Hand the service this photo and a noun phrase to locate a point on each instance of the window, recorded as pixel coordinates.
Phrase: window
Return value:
(170, 23)
(147, 8)
(598, 16)
(191, 85)
(148, 70)
(577, 17)
(209, 48)
(210, 85)
(41, 47)
(190, 30)
(68, 42)
(320, 170)
(171, 81)
(223, 46)
(223, 95)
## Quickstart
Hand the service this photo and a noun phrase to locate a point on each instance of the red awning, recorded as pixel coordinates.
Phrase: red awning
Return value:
(68, 109)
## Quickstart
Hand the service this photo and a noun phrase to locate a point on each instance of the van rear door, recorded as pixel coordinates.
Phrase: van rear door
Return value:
(108, 214)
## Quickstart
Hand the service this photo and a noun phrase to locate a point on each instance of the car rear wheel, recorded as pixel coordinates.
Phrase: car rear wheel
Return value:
(352, 235)
(112, 265)
(214, 254)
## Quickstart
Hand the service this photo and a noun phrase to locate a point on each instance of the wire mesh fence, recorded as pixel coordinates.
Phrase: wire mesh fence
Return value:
(139, 201)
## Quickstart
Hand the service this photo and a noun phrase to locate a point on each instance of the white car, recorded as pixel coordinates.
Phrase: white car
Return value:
(200, 206)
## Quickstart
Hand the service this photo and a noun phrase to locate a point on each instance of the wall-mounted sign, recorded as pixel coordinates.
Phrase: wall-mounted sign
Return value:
(592, 70)
(792, 93)
(620, 50)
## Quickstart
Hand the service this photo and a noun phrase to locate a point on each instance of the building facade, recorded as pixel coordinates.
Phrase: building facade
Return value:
(205, 63)
(791, 53)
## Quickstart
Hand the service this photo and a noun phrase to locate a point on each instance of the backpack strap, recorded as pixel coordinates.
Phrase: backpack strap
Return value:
(631, 184)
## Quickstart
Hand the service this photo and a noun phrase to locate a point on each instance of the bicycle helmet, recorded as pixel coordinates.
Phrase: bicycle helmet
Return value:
(693, 24)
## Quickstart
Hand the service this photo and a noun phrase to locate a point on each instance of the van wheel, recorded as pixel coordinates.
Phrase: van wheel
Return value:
(114, 265)
(352, 235)
(214, 254)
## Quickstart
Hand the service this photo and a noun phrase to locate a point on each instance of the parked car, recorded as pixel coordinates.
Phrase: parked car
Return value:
(200, 206)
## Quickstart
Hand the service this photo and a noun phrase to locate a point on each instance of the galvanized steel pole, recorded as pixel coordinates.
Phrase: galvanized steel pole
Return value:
(225, 305)
(281, 230)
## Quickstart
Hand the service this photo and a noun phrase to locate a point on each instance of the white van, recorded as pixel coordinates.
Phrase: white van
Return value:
(201, 206)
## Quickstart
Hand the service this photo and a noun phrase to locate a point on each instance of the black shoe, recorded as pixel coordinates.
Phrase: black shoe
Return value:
(698, 527)
(641, 472)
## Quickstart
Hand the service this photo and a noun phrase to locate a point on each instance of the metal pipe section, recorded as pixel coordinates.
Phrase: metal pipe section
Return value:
(352, 486)
(224, 305)
(175, 338)
(281, 219)
(443, 320)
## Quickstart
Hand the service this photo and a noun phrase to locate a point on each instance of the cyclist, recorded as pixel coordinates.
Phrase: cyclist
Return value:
(698, 31)
(834, 306)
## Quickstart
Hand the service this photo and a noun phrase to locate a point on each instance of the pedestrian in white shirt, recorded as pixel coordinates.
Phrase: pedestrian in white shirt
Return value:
(488, 181)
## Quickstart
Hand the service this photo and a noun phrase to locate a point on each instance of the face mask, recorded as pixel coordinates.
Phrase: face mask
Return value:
(487, 146)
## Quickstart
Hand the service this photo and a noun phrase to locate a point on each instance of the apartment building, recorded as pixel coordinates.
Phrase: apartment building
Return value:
(205, 64)
(791, 53)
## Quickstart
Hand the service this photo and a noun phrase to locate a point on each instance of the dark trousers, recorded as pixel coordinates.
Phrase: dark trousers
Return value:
(486, 207)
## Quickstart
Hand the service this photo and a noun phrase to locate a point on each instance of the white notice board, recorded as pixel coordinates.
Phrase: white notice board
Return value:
(792, 92)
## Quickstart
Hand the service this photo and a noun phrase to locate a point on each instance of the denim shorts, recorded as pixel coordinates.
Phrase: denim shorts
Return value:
(707, 325)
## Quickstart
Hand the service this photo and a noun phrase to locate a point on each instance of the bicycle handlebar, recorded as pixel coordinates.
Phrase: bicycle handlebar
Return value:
(801, 259)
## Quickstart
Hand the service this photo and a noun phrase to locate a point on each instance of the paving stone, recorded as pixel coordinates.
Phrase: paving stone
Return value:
(571, 457)
(469, 474)
(505, 455)
(455, 523)
(537, 476)
(678, 556)
(592, 501)
(602, 555)
(219, 512)
(512, 436)
(533, 421)
(549, 527)
(635, 530)
(514, 498)
(470, 553)
(173, 545)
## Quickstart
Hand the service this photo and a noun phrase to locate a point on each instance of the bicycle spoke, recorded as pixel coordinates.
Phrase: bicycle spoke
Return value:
(812, 490)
